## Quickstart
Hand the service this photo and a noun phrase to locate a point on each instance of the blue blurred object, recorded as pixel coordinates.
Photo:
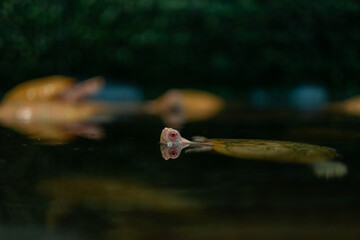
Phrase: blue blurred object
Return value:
(259, 98)
(115, 92)
(305, 97)
(308, 97)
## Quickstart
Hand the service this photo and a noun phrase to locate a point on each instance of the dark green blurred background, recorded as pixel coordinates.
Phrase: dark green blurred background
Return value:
(224, 46)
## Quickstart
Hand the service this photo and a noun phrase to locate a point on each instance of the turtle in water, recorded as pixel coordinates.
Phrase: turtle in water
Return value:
(321, 159)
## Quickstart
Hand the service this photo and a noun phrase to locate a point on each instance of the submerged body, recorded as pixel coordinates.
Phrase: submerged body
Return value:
(319, 157)
(272, 150)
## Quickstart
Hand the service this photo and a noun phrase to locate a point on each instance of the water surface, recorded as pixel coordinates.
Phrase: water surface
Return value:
(121, 188)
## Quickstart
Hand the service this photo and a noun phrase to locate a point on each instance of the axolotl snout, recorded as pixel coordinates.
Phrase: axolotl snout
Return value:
(172, 143)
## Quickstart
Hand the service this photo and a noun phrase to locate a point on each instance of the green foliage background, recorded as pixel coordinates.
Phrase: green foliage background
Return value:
(184, 43)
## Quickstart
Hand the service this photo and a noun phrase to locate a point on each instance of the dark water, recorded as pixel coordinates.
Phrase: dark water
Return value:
(121, 188)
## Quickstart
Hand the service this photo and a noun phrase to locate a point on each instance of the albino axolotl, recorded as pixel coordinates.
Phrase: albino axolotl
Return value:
(321, 159)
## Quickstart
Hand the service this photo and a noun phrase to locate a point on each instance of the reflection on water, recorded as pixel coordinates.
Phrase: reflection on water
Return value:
(52, 122)
(130, 206)
(321, 159)
(120, 188)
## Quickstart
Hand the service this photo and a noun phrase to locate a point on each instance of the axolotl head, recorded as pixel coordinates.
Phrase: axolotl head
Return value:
(172, 143)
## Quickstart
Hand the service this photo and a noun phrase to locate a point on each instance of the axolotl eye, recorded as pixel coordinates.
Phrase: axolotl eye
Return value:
(173, 153)
(173, 135)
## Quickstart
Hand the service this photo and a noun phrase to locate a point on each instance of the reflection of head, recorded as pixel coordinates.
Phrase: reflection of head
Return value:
(172, 143)
(170, 152)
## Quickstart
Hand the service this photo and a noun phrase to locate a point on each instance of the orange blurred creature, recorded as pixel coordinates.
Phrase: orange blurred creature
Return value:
(349, 106)
(177, 107)
(42, 108)
(47, 108)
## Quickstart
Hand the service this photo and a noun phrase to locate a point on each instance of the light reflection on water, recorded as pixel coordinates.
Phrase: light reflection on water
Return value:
(120, 187)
